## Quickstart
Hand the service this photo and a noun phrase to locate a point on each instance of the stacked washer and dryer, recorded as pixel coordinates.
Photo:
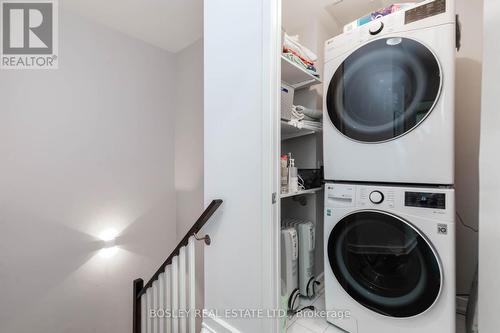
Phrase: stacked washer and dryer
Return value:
(389, 165)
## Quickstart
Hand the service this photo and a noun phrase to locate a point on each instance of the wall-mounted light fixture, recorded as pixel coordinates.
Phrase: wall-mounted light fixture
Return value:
(109, 248)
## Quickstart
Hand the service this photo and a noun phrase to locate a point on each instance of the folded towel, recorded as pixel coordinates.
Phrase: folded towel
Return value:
(297, 113)
(296, 60)
(310, 113)
(292, 43)
(299, 119)
(312, 124)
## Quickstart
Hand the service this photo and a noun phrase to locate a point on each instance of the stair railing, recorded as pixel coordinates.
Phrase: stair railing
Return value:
(167, 302)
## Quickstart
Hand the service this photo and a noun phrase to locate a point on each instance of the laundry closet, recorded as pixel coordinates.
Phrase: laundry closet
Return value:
(305, 28)
(374, 105)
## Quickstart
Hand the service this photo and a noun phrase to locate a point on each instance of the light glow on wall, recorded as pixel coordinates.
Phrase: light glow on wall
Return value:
(108, 252)
(108, 235)
(110, 249)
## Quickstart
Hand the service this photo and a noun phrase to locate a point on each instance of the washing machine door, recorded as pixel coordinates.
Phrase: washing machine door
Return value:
(383, 90)
(385, 264)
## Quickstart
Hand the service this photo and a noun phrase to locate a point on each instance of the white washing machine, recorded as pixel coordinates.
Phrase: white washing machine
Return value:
(389, 98)
(390, 258)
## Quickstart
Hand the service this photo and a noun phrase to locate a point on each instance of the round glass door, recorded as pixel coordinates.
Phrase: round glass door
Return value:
(383, 90)
(383, 263)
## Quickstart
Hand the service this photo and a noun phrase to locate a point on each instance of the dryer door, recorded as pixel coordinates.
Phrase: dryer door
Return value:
(383, 90)
(385, 264)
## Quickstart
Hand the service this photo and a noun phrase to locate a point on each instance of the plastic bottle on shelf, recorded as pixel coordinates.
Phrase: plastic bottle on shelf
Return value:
(293, 180)
(284, 174)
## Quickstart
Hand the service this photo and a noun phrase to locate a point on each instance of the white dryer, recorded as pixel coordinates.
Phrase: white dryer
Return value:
(389, 98)
(390, 258)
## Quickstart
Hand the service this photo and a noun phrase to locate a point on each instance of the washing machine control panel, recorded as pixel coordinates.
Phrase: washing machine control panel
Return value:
(424, 202)
(371, 197)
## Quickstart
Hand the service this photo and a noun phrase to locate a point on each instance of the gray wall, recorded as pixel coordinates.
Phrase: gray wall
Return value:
(189, 136)
(489, 244)
(84, 148)
(468, 115)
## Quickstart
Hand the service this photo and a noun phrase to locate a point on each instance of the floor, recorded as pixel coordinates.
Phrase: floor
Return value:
(307, 324)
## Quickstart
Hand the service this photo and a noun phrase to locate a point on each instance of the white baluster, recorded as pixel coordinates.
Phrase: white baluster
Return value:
(144, 313)
(191, 258)
(156, 302)
(182, 289)
(175, 294)
(161, 304)
(168, 297)
(149, 296)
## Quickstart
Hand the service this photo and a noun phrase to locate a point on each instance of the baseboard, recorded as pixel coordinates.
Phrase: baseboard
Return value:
(217, 325)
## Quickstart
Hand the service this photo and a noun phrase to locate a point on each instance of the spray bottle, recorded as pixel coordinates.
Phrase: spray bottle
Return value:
(293, 180)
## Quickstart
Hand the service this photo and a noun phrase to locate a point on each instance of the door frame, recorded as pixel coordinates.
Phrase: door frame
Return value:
(271, 149)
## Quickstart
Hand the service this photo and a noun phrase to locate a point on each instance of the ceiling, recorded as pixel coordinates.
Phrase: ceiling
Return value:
(174, 24)
(297, 13)
(169, 24)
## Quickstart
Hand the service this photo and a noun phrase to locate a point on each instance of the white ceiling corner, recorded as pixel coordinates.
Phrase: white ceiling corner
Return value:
(168, 24)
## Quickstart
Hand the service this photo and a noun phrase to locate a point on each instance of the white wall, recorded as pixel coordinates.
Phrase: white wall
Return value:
(468, 114)
(489, 236)
(84, 148)
(189, 146)
(189, 136)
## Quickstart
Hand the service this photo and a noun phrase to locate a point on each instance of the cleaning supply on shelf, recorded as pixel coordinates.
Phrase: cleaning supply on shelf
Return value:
(284, 173)
(293, 179)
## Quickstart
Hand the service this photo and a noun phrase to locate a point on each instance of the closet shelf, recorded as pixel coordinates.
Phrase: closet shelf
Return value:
(295, 76)
(289, 131)
(309, 191)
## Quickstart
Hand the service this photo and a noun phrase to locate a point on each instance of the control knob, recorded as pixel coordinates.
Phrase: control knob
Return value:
(376, 27)
(376, 197)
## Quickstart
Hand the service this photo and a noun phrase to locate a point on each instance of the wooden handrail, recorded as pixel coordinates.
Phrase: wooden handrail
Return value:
(139, 287)
(202, 220)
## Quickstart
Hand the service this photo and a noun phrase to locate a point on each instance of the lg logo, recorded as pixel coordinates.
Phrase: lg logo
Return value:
(442, 229)
(29, 33)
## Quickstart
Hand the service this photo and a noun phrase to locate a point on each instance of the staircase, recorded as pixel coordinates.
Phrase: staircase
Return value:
(168, 303)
